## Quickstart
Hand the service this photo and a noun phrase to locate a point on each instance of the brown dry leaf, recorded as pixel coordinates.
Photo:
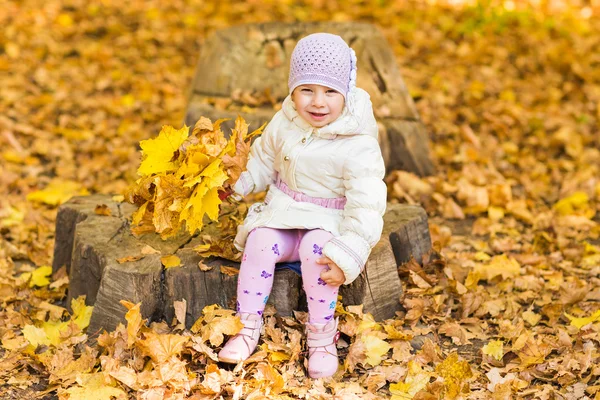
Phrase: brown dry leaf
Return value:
(93, 387)
(231, 271)
(203, 267)
(180, 311)
(127, 259)
(147, 250)
(215, 323)
(102, 209)
(162, 347)
(531, 351)
(458, 334)
(269, 378)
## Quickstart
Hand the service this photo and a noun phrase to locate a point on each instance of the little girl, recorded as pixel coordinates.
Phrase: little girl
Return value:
(320, 159)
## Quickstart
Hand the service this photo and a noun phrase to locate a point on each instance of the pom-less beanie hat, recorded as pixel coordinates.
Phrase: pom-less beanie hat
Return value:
(324, 59)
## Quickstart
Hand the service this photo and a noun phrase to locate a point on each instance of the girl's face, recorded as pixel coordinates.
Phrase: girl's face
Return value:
(317, 104)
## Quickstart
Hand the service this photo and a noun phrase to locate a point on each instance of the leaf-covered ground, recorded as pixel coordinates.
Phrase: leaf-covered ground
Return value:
(511, 98)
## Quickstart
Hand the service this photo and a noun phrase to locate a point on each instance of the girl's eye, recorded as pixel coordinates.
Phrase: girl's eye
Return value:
(306, 90)
(331, 91)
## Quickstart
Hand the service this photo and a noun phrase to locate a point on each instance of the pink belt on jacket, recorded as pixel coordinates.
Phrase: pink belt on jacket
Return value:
(337, 202)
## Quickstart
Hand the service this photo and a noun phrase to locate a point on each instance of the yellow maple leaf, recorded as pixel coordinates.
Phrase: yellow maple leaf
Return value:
(495, 349)
(181, 178)
(204, 201)
(194, 163)
(138, 214)
(277, 356)
(57, 192)
(455, 373)
(571, 204)
(531, 351)
(63, 368)
(581, 322)
(93, 387)
(415, 381)
(35, 336)
(375, 349)
(161, 347)
(38, 277)
(395, 334)
(531, 318)
(51, 332)
(170, 261)
(215, 323)
(269, 377)
(158, 153)
(502, 265)
(211, 176)
(134, 321)
(81, 313)
(54, 331)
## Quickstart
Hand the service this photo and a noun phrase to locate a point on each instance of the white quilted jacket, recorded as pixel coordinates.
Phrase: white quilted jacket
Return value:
(342, 159)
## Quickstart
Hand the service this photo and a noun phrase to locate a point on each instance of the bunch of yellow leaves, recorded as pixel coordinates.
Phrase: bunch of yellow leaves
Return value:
(182, 174)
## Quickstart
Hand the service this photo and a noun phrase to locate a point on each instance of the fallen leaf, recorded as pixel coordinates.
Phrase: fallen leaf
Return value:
(494, 348)
(102, 209)
(170, 261)
(147, 250)
(93, 387)
(127, 259)
(456, 375)
(180, 310)
(231, 271)
(415, 381)
(57, 192)
(375, 349)
(40, 276)
(203, 267)
(581, 322)
(161, 347)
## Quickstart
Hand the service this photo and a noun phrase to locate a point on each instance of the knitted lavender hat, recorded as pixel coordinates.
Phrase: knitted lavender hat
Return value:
(324, 59)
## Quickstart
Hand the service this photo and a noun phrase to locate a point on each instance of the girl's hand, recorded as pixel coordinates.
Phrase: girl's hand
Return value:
(333, 275)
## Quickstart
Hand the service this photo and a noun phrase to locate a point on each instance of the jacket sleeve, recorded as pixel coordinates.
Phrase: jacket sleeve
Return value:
(260, 171)
(362, 223)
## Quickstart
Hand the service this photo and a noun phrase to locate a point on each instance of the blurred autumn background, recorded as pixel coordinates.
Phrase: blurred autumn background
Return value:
(510, 94)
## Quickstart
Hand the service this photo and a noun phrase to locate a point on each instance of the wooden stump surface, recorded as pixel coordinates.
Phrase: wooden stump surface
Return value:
(97, 242)
(246, 62)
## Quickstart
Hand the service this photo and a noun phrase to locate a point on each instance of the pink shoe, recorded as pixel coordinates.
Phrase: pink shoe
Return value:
(242, 345)
(322, 352)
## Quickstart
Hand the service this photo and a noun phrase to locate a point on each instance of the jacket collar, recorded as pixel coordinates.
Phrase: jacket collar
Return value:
(360, 122)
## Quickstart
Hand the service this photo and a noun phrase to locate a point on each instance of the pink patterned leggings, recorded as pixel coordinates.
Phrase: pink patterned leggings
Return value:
(267, 246)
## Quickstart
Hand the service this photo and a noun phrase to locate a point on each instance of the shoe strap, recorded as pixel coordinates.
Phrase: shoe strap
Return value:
(252, 324)
(322, 340)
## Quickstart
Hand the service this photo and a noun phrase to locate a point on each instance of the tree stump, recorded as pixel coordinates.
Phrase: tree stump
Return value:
(248, 65)
(98, 241)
